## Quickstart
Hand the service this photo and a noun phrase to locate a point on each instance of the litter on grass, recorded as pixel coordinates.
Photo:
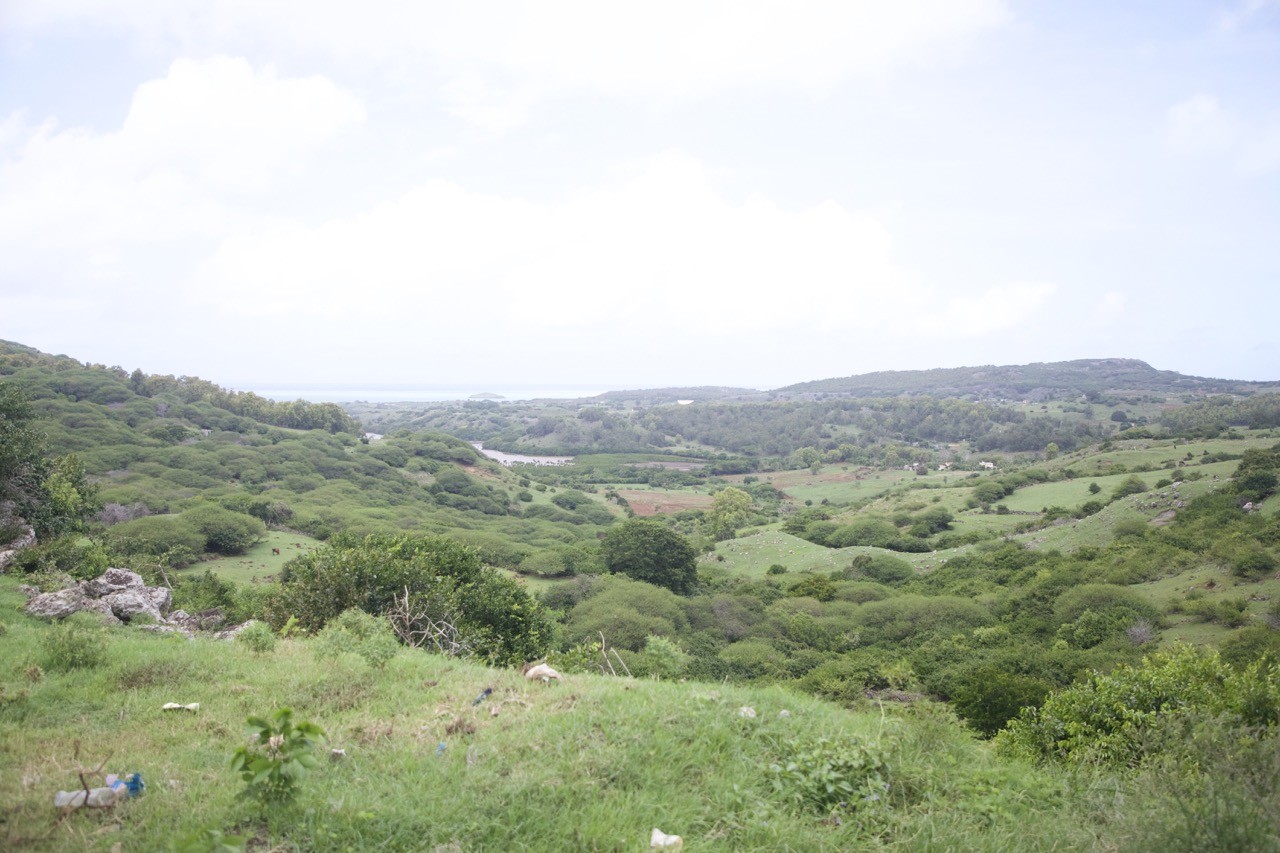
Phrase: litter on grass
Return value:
(174, 706)
(541, 671)
(659, 840)
(117, 788)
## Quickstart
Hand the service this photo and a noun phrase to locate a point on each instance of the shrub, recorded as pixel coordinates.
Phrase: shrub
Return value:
(884, 568)
(361, 634)
(155, 535)
(665, 657)
(1112, 718)
(278, 757)
(257, 638)
(80, 642)
(225, 531)
(1251, 560)
(69, 555)
(1131, 485)
(826, 774)
(495, 617)
(988, 697)
(627, 612)
(813, 586)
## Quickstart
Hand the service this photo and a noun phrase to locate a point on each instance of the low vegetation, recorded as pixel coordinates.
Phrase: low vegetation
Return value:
(987, 623)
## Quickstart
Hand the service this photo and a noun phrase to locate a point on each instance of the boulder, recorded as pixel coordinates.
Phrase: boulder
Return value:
(130, 603)
(57, 605)
(102, 607)
(205, 620)
(161, 597)
(233, 632)
(112, 581)
(168, 629)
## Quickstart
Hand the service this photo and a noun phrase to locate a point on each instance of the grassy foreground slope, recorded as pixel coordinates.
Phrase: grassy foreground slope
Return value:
(593, 763)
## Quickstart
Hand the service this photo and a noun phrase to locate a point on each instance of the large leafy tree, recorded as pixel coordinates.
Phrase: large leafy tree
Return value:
(52, 495)
(730, 509)
(495, 618)
(647, 550)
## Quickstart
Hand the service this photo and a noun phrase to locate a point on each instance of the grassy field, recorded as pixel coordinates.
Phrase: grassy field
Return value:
(834, 483)
(655, 501)
(1146, 452)
(593, 763)
(259, 564)
(751, 556)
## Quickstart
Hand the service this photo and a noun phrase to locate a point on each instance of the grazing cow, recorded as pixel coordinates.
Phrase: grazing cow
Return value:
(275, 551)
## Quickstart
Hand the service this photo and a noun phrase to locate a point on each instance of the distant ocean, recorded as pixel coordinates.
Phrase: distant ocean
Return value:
(375, 393)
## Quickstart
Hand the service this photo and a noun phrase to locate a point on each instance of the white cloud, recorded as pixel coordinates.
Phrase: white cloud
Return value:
(658, 248)
(1244, 14)
(1110, 308)
(995, 309)
(656, 252)
(1201, 125)
(191, 144)
(500, 58)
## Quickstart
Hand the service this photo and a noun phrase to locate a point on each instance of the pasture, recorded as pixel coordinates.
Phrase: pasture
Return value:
(834, 483)
(645, 502)
(751, 556)
(259, 564)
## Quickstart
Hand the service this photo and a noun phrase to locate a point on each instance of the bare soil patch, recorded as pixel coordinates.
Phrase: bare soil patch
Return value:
(658, 503)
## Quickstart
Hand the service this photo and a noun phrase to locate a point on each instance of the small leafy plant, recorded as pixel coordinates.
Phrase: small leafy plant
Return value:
(257, 638)
(360, 633)
(824, 775)
(78, 643)
(277, 758)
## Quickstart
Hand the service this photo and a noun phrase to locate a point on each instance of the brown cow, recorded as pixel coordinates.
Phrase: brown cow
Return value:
(275, 551)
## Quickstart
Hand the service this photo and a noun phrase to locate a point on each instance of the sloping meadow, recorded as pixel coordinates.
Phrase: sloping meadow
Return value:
(433, 761)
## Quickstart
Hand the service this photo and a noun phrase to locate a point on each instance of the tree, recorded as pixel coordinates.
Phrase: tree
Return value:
(730, 509)
(495, 618)
(646, 550)
(52, 495)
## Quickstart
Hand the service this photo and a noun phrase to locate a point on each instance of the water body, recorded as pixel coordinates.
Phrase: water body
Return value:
(519, 459)
(407, 393)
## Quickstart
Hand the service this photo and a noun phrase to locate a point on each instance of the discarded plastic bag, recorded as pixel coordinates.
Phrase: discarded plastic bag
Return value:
(117, 788)
(174, 706)
(659, 840)
(131, 783)
(542, 671)
(98, 798)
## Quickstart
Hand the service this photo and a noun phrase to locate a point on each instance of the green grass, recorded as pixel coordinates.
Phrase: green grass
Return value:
(751, 556)
(592, 763)
(836, 483)
(259, 564)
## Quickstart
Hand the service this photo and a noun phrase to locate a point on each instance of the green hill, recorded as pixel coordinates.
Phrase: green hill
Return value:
(593, 762)
(1041, 380)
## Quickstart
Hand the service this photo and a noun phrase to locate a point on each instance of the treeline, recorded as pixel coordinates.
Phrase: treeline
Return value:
(42, 374)
(1211, 417)
(157, 456)
(1040, 381)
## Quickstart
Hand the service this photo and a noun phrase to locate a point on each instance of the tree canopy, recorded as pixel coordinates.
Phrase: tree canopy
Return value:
(647, 550)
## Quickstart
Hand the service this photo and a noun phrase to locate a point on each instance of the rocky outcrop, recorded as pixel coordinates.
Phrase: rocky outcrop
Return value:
(118, 595)
(9, 550)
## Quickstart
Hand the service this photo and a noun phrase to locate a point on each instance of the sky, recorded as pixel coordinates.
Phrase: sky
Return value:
(628, 195)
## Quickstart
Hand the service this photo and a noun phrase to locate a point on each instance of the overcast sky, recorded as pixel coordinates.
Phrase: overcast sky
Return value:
(666, 192)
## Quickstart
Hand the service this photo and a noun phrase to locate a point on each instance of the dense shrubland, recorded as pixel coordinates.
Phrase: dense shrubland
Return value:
(1069, 643)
